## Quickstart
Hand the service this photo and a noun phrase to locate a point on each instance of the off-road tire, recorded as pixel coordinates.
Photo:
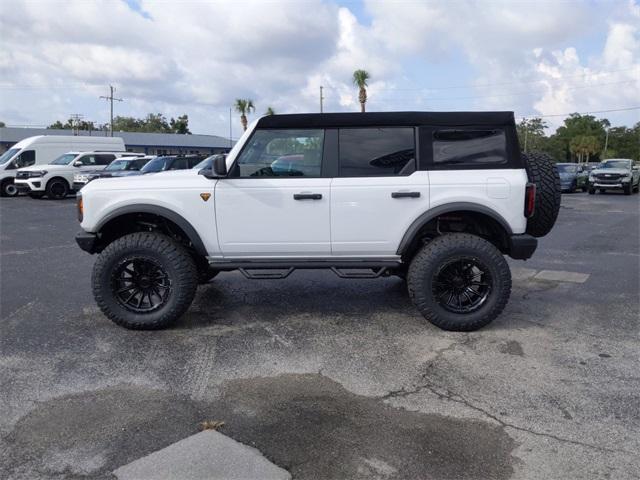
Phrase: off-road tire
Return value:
(447, 248)
(542, 171)
(8, 188)
(57, 188)
(175, 260)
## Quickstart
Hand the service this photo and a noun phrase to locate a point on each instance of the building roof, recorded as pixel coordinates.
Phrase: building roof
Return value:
(320, 120)
(15, 134)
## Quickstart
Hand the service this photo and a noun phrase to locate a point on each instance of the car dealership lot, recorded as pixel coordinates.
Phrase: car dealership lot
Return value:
(329, 378)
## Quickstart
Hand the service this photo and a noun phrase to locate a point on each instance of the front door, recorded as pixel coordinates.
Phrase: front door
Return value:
(275, 201)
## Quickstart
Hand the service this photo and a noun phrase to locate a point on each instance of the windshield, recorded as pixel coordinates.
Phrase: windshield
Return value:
(567, 168)
(118, 165)
(65, 159)
(8, 154)
(156, 165)
(616, 164)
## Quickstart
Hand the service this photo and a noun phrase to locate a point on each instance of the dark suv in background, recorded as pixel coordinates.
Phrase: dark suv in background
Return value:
(615, 174)
(171, 162)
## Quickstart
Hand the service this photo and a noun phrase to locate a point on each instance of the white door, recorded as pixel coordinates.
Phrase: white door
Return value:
(275, 201)
(378, 193)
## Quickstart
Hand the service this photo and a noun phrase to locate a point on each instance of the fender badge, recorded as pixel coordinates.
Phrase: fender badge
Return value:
(205, 196)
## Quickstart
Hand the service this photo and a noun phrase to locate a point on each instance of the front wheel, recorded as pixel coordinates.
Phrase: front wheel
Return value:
(627, 189)
(8, 188)
(592, 191)
(459, 282)
(144, 281)
(57, 189)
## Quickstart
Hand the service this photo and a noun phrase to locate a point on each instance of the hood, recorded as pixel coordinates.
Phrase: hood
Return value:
(614, 171)
(48, 168)
(156, 181)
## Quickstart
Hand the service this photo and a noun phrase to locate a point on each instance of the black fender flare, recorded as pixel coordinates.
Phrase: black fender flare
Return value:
(174, 217)
(432, 213)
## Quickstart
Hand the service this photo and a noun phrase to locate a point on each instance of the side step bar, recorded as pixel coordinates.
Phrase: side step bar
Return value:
(282, 268)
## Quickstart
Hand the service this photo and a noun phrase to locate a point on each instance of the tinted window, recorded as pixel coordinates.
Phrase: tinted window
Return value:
(469, 147)
(104, 159)
(26, 158)
(193, 161)
(155, 165)
(376, 152)
(88, 159)
(179, 164)
(136, 164)
(282, 153)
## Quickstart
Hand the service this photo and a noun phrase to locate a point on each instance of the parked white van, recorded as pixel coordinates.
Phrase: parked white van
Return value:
(43, 149)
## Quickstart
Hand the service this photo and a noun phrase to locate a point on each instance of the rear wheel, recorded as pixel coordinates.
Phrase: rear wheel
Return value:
(8, 188)
(144, 281)
(57, 188)
(542, 171)
(459, 282)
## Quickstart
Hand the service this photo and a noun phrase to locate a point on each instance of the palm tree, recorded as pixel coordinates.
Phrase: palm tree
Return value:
(360, 78)
(270, 111)
(243, 107)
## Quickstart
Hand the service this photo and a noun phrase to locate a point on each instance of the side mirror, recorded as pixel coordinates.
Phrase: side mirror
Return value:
(220, 166)
(77, 163)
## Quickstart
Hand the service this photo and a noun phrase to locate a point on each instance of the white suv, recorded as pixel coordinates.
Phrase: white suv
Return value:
(435, 198)
(55, 180)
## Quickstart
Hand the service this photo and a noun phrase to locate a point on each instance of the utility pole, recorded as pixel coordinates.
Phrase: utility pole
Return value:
(230, 130)
(321, 98)
(75, 122)
(606, 143)
(111, 99)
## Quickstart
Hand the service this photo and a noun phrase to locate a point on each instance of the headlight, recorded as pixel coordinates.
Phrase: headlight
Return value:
(38, 173)
(626, 177)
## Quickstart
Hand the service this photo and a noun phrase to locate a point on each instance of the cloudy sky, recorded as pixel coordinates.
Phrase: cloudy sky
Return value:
(544, 57)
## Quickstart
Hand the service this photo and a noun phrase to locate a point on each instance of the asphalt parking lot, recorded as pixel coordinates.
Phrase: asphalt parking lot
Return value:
(329, 378)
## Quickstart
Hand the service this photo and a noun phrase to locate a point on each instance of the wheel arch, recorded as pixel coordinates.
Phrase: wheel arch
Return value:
(141, 212)
(496, 223)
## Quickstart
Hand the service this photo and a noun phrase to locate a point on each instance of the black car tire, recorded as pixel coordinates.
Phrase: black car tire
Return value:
(584, 189)
(8, 188)
(592, 191)
(430, 266)
(542, 171)
(627, 189)
(158, 257)
(57, 188)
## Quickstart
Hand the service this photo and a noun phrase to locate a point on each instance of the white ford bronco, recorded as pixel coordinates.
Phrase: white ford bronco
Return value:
(435, 198)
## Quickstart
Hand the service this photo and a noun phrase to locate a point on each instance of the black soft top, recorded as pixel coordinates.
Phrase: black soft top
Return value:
(440, 119)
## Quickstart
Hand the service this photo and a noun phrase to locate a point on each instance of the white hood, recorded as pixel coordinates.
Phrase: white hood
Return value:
(48, 168)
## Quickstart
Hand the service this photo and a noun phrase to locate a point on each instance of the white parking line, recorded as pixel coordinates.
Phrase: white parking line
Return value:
(561, 276)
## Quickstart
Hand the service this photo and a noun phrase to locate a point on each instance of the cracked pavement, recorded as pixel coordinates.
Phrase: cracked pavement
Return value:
(328, 378)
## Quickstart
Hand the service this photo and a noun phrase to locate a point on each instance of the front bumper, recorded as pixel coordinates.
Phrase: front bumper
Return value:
(34, 184)
(87, 241)
(521, 247)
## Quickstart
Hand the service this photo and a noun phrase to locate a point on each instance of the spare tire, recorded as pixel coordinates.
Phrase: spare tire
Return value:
(542, 171)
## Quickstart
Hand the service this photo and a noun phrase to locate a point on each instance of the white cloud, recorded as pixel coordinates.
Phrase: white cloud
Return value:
(197, 57)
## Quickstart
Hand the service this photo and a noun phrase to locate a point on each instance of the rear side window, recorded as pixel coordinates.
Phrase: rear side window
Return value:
(89, 160)
(282, 153)
(469, 147)
(193, 161)
(179, 164)
(376, 152)
(104, 159)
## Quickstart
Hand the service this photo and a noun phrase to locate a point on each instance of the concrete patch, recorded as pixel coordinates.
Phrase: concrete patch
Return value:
(209, 455)
(561, 276)
(522, 273)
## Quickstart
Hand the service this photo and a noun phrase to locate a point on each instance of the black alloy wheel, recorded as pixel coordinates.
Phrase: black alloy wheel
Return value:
(141, 285)
(462, 285)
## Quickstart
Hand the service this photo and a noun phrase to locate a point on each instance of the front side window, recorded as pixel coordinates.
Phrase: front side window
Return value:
(469, 147)
(26, 158)
(117, 165)
(88, 160)
(376, 152)
(282, 153)
(179, 164)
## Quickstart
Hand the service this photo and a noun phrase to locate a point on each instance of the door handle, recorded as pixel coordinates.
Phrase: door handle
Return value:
(307, 196)
(405, 194)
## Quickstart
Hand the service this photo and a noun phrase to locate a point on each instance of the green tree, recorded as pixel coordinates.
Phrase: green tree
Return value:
(270, 111)
(531, 134)
(243, 107)
(584, 146)
(180, 125)
(360, 78)
(624, 142)
(581, 125)
(72, 124)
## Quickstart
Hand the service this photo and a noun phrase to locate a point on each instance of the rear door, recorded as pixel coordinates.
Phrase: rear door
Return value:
(276, 200)
(377, 192)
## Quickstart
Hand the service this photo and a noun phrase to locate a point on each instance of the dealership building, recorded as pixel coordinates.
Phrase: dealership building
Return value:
(149, 143)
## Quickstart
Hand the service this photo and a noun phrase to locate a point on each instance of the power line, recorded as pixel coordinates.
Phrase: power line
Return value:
(534, 115)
